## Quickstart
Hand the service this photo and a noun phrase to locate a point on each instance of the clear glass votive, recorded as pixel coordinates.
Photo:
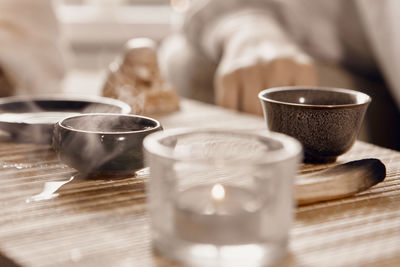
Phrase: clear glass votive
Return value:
(221, 197)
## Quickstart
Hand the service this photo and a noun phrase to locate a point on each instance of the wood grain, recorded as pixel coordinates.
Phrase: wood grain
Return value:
(103, 222)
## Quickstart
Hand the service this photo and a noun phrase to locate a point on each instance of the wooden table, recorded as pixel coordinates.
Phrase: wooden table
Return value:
(103, 222)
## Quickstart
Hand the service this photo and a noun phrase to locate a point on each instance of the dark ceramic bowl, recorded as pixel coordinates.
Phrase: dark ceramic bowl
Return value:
(325, 120)
(31, 119)
(103, 143)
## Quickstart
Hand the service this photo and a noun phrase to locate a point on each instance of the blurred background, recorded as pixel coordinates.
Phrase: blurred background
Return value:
(96, 30)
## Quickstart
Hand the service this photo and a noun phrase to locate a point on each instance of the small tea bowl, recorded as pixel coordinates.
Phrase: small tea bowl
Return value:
(103, 144)
(325, 120)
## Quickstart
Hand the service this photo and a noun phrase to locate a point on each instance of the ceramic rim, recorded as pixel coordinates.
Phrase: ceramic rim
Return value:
(157, 124)
(361, 98)
(290, 146)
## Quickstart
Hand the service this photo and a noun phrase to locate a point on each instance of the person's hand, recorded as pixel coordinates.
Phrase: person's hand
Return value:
(250, 65)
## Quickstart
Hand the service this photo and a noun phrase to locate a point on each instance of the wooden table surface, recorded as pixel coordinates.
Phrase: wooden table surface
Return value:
(103, 222)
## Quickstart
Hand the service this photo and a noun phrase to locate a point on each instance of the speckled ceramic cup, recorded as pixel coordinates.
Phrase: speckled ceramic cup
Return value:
(325, 120)
(103, 144)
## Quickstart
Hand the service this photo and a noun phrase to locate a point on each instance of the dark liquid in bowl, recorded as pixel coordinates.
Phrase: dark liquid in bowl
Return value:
(313, 97)
(108, 123)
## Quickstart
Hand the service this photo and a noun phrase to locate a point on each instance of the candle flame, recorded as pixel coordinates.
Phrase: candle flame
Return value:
(218, 192)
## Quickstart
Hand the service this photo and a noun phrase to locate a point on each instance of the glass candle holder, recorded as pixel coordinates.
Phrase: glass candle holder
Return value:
(221, 197)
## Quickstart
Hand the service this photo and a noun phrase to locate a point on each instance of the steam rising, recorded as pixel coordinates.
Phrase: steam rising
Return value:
(32, 120)
(107, 123)
(104, 143)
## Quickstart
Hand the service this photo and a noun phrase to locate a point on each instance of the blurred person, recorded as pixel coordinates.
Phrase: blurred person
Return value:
(31, 59)
(241, 47)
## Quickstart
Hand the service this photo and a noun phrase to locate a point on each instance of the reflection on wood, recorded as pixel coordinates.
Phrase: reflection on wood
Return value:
(103, 222)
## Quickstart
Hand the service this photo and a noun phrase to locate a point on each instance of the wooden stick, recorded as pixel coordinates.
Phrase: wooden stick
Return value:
(339, 181)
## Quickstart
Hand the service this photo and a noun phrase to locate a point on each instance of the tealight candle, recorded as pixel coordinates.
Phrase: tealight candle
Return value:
(218, 214)
(242, 221)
